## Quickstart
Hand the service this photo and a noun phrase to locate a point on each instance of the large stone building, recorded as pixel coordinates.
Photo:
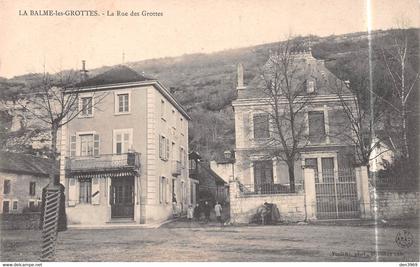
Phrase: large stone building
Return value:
(322, 146)
(318, 132)
(124, 158)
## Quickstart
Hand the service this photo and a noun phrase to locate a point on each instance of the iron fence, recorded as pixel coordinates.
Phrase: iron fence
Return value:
(336, 194)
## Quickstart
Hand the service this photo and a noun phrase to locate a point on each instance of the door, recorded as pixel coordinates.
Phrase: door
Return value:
(263, 176)
(122, 197)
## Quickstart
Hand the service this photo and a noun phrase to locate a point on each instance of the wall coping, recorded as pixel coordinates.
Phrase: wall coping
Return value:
(271, 195)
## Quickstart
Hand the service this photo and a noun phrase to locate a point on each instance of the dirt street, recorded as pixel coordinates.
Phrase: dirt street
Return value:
(182, 241)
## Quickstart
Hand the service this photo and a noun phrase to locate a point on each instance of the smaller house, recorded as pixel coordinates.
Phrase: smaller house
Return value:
(382, 151)
(210, 185)
(225, 167)
(22, 178)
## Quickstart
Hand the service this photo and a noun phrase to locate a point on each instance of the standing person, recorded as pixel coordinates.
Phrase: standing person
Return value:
(218, 211)
(197, 211)
(190, 212)
(207, 211)
(174, 206)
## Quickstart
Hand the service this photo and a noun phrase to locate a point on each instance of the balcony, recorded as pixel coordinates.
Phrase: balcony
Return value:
(176, 167)
(103, 163)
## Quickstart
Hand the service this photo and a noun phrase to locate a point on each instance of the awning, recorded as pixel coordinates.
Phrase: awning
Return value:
(111, 174)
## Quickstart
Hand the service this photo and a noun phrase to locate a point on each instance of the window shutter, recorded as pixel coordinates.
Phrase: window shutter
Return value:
(72, 192)
(72, 146)
(167, 148)
(95, 191)
(160, 147)
(168, 191)
(96, 145)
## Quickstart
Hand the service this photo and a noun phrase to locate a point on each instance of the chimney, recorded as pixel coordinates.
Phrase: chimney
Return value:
(240, 77)
(83, 70)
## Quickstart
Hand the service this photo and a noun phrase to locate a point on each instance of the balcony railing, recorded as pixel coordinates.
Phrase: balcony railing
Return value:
(104, 162)
(268, 188)
(176, 168)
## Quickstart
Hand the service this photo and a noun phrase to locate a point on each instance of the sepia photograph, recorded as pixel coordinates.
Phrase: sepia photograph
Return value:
(209, 131)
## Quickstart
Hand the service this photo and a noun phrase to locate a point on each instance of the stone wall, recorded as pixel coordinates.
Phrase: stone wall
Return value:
(25, 221)
(396, 204)
(243, 207)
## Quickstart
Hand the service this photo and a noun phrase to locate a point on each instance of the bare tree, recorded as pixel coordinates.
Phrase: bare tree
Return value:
(54, 100)
(403, 76)
(359, 123)
(286, 102)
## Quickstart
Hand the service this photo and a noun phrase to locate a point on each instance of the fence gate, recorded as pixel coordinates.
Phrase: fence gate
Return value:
(336, 195)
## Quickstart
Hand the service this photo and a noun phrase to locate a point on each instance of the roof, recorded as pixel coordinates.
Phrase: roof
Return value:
(216, 177)
(118, 74)
(194, 155)
(122, 77)
(305, 67)
(23, 163)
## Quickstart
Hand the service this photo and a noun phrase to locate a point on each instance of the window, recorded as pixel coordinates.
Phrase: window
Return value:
(263, 172)
(86, 145)
(163, 147)
(123, 103)
(6, 207)
(122, 141)
(162, 190)
(85, 191)
(6, 187)
(261, 126)
(32, 186)
(162, 109)
(15, 205)
(181, 156)
(324, 165)
(31, 205)
(174, 118)
(316, 126)
(87, 106)
(310, 87)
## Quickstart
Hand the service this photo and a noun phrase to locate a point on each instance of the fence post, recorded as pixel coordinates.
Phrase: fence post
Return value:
(362, 181)
(310, 194)
(233, 199)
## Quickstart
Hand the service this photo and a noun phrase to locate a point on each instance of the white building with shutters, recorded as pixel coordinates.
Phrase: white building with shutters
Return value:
(124, 158)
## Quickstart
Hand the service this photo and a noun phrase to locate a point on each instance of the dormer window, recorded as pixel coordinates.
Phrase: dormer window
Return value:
(310, 86)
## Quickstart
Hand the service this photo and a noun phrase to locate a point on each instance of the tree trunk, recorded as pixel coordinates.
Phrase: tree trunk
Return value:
(53, 155)
(291, 168)
(404, 132)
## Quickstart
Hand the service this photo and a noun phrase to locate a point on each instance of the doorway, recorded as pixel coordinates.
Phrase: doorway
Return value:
(122, 197)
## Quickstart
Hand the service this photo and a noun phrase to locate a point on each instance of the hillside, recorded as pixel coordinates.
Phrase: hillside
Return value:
(205, 83)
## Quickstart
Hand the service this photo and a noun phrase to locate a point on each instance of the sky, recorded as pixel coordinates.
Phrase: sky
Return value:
(28, 43)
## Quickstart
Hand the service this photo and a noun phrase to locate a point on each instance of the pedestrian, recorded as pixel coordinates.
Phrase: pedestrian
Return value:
(218, 211)
(206, 209)
(197, 211)
(190, 212)
(174, 206)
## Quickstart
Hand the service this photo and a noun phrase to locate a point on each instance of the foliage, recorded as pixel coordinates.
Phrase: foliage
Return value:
(205, 83)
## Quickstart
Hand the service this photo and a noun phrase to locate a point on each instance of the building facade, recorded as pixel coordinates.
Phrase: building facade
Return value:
(124, 158)
(322, 148)
(22, 178)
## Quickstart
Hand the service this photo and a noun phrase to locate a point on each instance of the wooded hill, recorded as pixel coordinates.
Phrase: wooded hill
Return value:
(205, 83)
